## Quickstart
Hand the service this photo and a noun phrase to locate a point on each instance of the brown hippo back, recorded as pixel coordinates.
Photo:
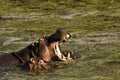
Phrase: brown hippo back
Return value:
(7, 59)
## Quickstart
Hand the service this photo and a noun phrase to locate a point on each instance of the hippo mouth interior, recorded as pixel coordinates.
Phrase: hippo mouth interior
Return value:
(58, 52)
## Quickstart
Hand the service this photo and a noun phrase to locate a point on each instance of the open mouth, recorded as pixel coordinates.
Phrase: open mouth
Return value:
(58, 52)
(63, 41)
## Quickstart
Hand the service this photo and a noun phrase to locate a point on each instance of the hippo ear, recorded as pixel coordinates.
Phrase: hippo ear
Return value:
(42, 38)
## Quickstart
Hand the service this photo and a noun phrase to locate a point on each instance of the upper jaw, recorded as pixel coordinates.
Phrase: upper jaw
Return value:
(62, 41)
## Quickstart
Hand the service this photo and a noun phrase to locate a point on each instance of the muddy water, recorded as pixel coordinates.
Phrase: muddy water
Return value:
(7, 30)
(83, 13)
(69, 71)
(99, 38)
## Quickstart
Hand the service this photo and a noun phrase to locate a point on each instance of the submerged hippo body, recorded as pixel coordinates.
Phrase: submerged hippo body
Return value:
(21, 56)
(8, 59)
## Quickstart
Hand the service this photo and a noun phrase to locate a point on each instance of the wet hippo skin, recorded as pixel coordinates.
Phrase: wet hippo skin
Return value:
(50, 51)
